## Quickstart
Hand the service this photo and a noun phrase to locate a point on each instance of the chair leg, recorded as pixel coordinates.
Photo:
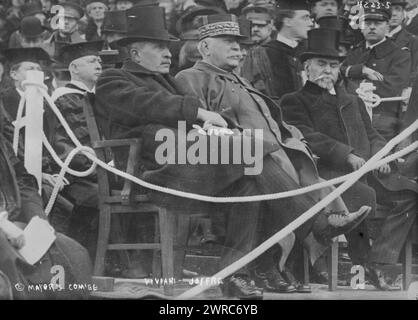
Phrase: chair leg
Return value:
(333, 266)
(156, 260)
(102, 240)
(167, 258)
(182, 237)
(407, 263)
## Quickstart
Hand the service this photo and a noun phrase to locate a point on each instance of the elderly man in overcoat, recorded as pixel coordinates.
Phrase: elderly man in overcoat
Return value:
(339, 131)
(141, 99)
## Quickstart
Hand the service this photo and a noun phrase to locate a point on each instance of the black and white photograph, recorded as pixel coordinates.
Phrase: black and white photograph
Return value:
(208, 155)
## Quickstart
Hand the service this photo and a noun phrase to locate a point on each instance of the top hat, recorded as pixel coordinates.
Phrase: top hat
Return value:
(17, 55)
(146, 23)
(293, 5)
(219, 25)
(322, 43)
(31, 27)
(74, 51)
(187, 20)
(72, 10)
(339, 23)
(115, 21)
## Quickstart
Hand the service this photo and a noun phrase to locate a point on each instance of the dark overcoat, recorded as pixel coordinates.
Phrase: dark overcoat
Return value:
(133, 102)
(311, 110)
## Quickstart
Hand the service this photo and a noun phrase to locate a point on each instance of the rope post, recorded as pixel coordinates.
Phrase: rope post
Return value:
(34, 125)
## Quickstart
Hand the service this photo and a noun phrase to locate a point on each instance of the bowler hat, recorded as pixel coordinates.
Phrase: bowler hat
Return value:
(322, 43)
(31, 27)
(74, 51)
(18, 55)
(146, 23)
(219, 25)
(115, 21)
(93, 1)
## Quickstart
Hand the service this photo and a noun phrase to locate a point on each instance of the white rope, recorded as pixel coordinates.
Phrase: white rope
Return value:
(240, 263)
(88, 152)
(347, 181)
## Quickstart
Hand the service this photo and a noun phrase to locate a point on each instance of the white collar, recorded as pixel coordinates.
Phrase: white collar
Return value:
(291, 43)
(394, 31)
(371, 46)
(82, 86)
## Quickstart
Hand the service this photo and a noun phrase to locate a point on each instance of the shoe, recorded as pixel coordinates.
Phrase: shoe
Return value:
(300, 287)
(242, 288)
(376, 277)
(342, 223)
(272, 281)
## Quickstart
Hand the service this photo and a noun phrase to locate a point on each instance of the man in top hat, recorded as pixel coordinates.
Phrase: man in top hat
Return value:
(141, 98)
(274, 68)
(381, 62)
(214, 81)
(339, 23)
(338, 130)
(69, 33)
(261, 18)
(84, 65)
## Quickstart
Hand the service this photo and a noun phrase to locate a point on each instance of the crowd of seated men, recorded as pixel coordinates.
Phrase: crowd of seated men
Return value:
(290, 68)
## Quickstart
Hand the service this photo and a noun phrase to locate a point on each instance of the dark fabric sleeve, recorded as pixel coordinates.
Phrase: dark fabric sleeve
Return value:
(328, 149)
(134, 103)
(377, 142)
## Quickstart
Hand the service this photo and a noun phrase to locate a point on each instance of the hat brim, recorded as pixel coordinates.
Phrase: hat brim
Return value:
(308, 55)
(128, 40)
(375, 17)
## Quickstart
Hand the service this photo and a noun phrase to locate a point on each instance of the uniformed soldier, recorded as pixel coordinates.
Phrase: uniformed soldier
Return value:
(380, 61)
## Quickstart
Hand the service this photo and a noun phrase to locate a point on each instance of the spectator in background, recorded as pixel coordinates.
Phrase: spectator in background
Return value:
(95, 10)
(14, 15)
(401, 37)
(4, 34)
(30, 34)
(69, 33)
